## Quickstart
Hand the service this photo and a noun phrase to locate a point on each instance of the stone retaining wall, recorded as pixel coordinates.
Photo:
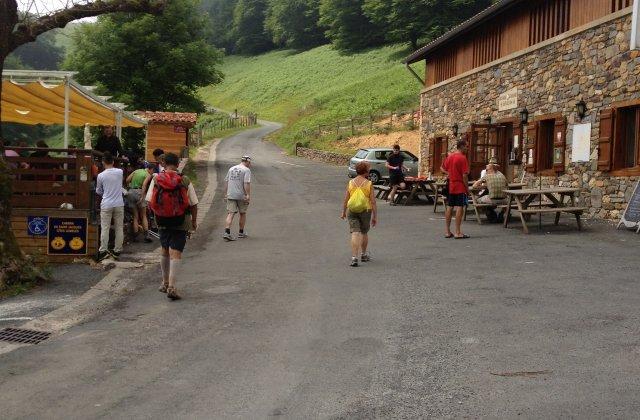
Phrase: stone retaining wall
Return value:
(323, 156)
(595, 65)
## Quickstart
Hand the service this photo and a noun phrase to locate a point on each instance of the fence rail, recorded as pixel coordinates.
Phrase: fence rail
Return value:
(366, 124)
(210, 128)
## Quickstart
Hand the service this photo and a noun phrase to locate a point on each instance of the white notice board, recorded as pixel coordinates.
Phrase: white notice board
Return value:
(581, 144)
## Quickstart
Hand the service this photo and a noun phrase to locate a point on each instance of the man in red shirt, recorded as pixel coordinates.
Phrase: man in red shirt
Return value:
(456, 166)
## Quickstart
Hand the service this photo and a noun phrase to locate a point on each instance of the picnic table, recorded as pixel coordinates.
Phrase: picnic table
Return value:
(475, 194)
(532, 201)
(415, 187)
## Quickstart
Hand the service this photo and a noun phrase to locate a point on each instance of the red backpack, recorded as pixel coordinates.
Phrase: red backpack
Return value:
(170, 199)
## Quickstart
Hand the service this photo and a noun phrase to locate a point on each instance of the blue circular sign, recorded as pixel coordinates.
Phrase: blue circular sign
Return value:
(38, 226)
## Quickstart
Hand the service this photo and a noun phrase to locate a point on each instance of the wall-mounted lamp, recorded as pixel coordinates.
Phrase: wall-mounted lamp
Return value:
(455, 129)
(488, 119)
(581, 108)
(524, 116)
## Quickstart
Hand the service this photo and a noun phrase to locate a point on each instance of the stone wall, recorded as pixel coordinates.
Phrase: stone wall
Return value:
(323, 156)
(595, 65)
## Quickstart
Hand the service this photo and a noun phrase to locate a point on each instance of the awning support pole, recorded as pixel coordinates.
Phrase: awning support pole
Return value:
(119, 125)
(67, 94)
(415, 74)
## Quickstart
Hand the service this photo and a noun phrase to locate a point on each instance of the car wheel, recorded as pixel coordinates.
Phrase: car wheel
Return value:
(374, 177)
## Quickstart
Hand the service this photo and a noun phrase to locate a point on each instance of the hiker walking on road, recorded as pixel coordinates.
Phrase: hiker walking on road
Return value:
(359, 207)
(109, 186)
(237, 194)
(174, 202)
(456, 166)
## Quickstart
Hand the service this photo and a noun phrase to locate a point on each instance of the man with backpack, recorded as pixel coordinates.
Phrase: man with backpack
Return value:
(174, 202)
(237, 193)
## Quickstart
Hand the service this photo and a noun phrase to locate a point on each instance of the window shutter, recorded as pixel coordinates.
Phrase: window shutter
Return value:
(432, 154)
(559, 144)
(605, 142)
(444, 151)
(531, 158)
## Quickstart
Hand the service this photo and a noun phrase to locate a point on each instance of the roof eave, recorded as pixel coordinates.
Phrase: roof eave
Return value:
(461, 29)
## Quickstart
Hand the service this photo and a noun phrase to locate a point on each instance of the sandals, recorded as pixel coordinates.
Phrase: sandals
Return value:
(172, 293)
(449, 236)
(163, 288)
(463, 237)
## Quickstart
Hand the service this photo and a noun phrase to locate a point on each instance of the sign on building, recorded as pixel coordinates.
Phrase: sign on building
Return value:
(508, 100)
(581, 143)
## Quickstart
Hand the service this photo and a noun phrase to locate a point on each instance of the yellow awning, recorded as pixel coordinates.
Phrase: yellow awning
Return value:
(38, 102)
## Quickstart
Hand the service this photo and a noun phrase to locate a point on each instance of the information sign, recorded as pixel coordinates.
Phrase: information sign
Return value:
(67, 236)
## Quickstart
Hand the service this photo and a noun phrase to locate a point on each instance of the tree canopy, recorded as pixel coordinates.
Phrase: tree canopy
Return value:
(294, 23)
(255, 26)
(150, 62)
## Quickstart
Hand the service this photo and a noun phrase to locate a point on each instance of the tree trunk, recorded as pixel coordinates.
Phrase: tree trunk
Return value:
(12, 261)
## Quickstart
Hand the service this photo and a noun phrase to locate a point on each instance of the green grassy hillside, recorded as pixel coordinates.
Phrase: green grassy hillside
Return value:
(315, 87)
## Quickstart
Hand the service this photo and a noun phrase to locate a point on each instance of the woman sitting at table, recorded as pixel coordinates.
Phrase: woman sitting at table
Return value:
(495, 182)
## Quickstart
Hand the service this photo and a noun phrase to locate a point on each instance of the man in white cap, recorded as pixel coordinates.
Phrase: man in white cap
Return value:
(237, 193)
(495, 182)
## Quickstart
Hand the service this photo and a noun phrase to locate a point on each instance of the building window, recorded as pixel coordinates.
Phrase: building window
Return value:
(619, 144)
(545, 144)
(627, 135)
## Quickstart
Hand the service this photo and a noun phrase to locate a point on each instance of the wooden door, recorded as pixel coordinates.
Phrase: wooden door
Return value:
(487, 141)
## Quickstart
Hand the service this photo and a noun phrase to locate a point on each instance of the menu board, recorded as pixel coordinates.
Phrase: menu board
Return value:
(631, 216)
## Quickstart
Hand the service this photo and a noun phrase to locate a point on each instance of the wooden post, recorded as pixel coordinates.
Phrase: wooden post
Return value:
(390, 121)
(353, 128)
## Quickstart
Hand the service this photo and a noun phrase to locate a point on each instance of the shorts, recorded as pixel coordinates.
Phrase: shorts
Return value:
(173, 239)
(396, 179)
(134, 199)
(237, 206)
(457, 200)
(359, 222)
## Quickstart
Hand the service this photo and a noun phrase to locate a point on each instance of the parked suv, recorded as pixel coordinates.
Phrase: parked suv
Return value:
(377, 158)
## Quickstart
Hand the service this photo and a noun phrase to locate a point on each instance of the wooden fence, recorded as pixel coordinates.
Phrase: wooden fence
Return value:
(354, 126)
(210, 128)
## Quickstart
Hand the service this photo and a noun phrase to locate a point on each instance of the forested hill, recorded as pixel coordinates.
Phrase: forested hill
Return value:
(257, 26)
(304, 89)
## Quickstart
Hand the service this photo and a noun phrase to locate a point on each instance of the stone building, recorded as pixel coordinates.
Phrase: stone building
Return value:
(550, 88)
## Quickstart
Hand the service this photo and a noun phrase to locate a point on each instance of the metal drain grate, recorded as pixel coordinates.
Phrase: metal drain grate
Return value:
(17, 335)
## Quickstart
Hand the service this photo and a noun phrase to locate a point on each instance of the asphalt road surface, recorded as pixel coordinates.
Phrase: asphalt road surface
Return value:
(278, 325)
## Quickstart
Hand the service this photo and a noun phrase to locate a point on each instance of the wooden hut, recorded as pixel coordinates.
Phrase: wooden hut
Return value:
(168, 131)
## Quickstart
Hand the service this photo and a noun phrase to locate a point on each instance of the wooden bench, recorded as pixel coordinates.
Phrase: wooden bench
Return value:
(382, 191)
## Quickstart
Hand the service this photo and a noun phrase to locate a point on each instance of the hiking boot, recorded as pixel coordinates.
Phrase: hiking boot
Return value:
(163, 288)
(227, 237)
(354, 262)
(365, 258)
(172, 293)
(242, 235)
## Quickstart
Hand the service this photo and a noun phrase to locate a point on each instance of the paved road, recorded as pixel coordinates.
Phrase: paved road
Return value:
(279, 326)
